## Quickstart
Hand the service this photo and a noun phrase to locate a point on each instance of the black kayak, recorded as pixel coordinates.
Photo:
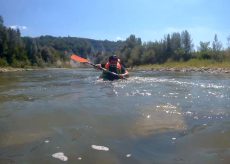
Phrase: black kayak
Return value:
(110, 77)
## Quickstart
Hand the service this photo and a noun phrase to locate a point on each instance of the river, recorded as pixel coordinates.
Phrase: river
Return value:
(153, 117)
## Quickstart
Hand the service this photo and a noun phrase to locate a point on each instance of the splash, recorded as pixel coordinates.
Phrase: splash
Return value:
(61, 156)
(101, 148)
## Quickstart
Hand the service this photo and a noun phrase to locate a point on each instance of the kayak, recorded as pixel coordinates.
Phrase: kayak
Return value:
(110, 77)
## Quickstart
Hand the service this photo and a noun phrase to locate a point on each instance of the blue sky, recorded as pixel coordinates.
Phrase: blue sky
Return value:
(117, 19)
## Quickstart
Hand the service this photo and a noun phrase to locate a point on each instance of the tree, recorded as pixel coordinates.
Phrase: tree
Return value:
(176, 45)
(227, 52)
(132, 41)
(131, 50)
(136, 53)
(216, 44)
(1, 21)
(3, 41)
(216, 48)
(149, 55)
(186, 42)
(168, 45)
(204, 46)
(32, 49)
(228, 40)
(205, 50)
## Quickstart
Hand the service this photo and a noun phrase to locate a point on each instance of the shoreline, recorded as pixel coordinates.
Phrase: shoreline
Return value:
(161, 69)
(184, 69)
(10, 69)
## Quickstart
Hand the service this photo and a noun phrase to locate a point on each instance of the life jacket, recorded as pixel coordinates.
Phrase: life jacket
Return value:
(118, 68)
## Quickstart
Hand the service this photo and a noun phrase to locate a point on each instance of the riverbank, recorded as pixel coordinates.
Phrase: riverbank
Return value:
(140, 68)
(10, 69)
(190, 66)
(189, 69)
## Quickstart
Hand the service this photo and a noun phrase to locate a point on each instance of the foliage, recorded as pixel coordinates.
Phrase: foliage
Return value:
(193, 63)
(216, 48)
(44, 51)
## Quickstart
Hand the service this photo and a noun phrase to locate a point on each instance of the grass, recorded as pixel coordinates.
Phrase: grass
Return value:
(193, 63)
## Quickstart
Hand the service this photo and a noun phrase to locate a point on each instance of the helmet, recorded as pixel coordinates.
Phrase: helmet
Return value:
(113, 57)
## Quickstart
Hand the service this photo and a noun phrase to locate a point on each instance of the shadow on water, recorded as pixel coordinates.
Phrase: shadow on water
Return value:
(152, 117)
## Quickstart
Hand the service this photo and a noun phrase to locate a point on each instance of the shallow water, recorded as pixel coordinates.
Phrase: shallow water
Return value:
(153, 117)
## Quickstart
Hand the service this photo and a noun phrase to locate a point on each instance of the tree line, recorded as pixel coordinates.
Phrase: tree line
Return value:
(17, 51)
(174, 47)
(43, 51)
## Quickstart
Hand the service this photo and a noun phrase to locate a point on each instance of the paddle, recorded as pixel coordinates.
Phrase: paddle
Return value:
(83, 60)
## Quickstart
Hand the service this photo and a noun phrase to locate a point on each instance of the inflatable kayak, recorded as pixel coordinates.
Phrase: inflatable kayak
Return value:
(111, 77)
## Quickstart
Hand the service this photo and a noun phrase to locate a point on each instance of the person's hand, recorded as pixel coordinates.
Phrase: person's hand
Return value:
(98, 66)
(121, 76)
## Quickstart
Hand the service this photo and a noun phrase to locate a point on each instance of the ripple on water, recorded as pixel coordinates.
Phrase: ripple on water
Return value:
(172, 106)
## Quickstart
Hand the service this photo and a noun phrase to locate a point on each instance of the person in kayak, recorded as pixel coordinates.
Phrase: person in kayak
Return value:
(113, 65)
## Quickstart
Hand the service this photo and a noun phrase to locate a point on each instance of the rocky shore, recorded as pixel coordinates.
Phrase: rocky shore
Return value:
(189, 69)
(10, 69)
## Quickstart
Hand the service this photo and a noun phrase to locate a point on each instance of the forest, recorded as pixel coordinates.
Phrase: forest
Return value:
(47, 51)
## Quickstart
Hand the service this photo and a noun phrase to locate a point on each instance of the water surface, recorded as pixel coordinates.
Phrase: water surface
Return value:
(153, 117)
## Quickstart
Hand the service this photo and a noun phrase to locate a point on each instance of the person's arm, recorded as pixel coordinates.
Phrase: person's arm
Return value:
(100, 66)
(125, 73)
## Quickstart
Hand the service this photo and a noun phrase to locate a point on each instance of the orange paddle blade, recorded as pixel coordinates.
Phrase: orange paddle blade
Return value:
(79, 59)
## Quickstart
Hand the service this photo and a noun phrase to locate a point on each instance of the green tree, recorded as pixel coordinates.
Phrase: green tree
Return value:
(204, 46)
(31, 49)
(204, 50)
(1, 21)
(132, 41)
(131, 50)
(176, 45)
(186, 42)
(136, 53)
(216, 44)
(227, 52)
(149, 55)
(3, 43)
(216, 48)
(168, 45)
(47, 54)
(228, 40)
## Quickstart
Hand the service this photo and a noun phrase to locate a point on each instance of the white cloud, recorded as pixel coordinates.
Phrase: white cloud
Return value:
(18, 27)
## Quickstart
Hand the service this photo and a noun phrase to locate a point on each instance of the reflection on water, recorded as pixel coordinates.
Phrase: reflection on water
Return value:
(159, 119)
(153, 117)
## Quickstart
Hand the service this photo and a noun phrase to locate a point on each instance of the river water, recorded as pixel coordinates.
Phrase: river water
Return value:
(153, 117)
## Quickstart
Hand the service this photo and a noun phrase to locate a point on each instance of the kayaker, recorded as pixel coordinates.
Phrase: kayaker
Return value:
(113, 65)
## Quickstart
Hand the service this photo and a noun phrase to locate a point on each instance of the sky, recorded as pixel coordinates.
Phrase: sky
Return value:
(115, 20)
